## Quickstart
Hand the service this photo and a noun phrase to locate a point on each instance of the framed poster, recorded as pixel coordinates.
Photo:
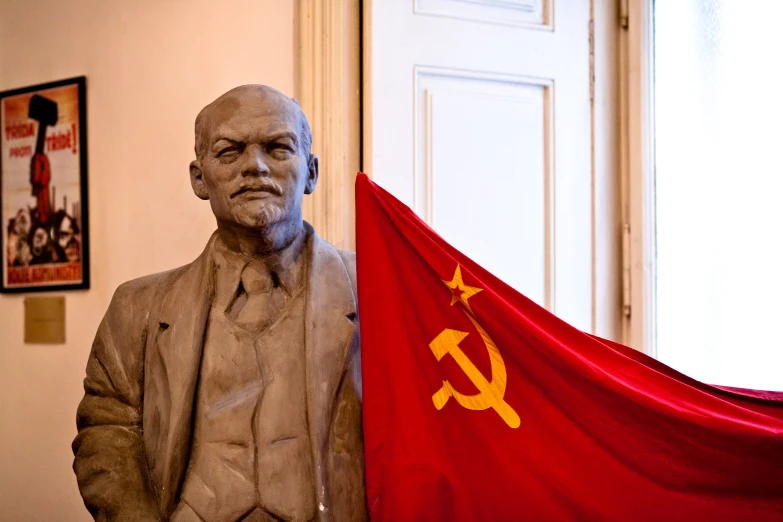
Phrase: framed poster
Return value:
(43, 187)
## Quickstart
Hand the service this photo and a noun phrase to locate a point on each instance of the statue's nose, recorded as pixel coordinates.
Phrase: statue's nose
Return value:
(255, 162)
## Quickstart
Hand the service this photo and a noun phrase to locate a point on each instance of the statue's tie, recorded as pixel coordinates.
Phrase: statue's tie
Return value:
(259, 299)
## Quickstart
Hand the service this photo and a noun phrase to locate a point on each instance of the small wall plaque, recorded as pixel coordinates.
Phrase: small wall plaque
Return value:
(44, 320)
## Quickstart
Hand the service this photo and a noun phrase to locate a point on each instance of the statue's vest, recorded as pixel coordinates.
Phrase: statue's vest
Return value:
(252, 457)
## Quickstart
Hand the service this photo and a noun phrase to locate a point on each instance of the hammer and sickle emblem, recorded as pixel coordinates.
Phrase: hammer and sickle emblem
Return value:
(491, 393)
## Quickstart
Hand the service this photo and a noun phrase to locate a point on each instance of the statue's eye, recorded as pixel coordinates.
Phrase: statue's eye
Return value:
(228, 152)
(281, 151)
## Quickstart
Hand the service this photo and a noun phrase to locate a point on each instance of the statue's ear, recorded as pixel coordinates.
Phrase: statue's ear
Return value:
(197, 180)
(312, 174)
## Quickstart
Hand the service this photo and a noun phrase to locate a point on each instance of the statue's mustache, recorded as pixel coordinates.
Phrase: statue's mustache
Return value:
(262, 185)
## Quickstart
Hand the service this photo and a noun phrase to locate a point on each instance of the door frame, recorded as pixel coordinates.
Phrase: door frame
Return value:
(607, 21)
(639, 325)
(328, 88)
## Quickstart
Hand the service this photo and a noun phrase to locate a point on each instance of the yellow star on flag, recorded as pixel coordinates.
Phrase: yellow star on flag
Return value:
(460, 291)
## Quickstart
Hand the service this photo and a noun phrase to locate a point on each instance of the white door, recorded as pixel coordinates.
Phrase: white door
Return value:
(477, 115)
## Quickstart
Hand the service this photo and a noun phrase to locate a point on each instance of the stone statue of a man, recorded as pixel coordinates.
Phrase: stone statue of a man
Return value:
(229, 389)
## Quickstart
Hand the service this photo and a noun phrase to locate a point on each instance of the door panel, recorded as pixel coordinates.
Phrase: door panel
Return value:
(477, 115)
(485, 138)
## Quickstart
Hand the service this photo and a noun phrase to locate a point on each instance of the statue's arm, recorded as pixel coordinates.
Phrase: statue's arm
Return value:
(110, 462)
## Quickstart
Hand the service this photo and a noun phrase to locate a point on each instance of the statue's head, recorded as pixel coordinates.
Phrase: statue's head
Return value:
(253, 160)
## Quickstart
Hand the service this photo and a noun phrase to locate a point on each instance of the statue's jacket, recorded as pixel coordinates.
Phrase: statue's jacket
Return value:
(136, 420)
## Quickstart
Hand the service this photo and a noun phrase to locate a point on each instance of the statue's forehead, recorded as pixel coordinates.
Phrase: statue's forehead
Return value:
(259, 110)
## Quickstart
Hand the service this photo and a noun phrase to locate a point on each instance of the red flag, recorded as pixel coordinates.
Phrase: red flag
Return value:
(479, 404)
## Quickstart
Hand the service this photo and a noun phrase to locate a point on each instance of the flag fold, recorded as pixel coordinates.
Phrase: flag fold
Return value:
(480, 405)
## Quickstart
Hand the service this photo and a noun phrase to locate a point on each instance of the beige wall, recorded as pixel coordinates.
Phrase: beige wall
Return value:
(150, 66)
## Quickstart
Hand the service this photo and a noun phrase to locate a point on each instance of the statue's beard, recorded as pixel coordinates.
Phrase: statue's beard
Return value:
(269, 214)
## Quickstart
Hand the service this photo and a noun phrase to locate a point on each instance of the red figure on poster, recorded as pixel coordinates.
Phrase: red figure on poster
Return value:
(45, 112)
(40, 176)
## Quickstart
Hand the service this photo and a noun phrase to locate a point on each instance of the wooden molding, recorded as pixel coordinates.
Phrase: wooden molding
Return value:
(328, 89)
(639, 189)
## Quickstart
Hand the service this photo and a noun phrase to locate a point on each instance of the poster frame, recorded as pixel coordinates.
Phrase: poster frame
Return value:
(81, 82)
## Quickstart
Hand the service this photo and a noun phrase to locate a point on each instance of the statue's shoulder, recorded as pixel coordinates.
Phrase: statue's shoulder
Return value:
(349, 260)
(133, 300)
(143, 292)
(145, 288)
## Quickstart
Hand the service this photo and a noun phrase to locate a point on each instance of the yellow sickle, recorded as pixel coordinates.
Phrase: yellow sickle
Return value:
(490, 392)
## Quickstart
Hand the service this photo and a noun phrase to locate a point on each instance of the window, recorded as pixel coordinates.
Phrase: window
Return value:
(717, 107)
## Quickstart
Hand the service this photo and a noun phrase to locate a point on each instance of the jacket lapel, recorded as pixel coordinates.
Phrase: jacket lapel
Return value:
(175, 342)
(329, 332)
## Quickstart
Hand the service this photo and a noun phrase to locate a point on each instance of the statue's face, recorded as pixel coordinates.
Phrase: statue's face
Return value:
(253, 167)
